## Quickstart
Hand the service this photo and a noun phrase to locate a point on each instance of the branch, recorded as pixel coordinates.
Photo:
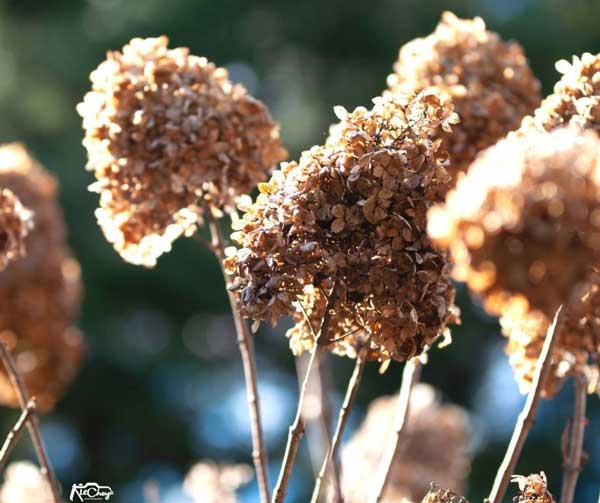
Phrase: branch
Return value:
(32, 421)
(527, 415)
(297, 427)
(246, 347)
(15, 434)
(573, 463)
(410, 376)
(351, 391)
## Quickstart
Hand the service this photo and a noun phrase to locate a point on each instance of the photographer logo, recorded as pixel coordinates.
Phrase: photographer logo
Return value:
(90, 491)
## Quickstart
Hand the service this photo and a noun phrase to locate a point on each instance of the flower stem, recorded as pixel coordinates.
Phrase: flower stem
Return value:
(246, 347)
(15, 434)
(351, 391)
(527, 415)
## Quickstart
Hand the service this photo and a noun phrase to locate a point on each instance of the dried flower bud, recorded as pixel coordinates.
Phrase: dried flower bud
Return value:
(350, 217)
(207, 482)
(434, 448)
(15, 223)
(166, 134)
(24, 483)
(489, 81)
(40, 294)
(532, 489)
(576, 97)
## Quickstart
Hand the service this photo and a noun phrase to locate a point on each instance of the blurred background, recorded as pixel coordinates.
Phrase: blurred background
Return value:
(162, 383)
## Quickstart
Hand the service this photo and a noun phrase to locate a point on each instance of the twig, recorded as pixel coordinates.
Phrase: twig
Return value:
(410, 376)
(246, 347)
(351, 391)
(32, 420)
(527, 415)
(573, 463)
(15, 434)
(297, 427)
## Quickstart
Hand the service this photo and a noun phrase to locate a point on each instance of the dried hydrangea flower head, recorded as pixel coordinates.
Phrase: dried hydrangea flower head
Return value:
(435, 448)
(437, 495)
(207, 482)
(167, 133)
(15, 223)
(523, 229)
(349, 220)
(576, 97)
(24, 483)
(532, 489)
(489, 81)
(40, 294)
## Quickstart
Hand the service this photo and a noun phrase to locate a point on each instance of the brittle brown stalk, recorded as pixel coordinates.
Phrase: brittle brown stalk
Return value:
(527, 415)
(410, 376)
(296, 430)
(15, 433)
(344, 414)
(32, 421)
(573, 464)
(246, 347)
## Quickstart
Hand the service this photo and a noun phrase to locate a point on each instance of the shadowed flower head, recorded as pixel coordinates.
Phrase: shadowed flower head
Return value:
(434, 448)
(40, 294)
(207, 482)
(15, 223)
(489, 81)
(24, 483)
(349, 220)
(166, 134)
(523, 229)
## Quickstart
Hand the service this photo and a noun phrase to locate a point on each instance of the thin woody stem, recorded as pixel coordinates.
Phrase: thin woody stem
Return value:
(32, 421)
(351, 391)
(296, 430)
(15, 434)
(246, 347)
(527, 415)
(573, 463)
(410, 376)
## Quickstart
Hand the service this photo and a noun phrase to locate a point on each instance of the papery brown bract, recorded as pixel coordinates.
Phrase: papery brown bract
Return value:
(349, 219)
(15, 223)
(489, 81)
(166, 134)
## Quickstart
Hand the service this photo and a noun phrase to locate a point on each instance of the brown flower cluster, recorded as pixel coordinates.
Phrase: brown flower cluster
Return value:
(15, 223)
(489, 81)
(349, 220)
(40, 294)
(523, 229)
(434, 449)
(167, 133)
(207, 482)
(437, 495)
(532, 489)
(576, 97)
(24, 483)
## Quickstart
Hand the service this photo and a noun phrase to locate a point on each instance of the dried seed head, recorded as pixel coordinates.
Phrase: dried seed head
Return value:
(532, 489)
(15, 223)
(437, 495)
(207, 482)
(40, 294)
(489, 81)
(576, 97)
(352, 214)
(166, 134)
(24, 483)
(435, 448)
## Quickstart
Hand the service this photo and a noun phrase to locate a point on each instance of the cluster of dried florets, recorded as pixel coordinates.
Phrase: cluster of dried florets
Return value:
(489, 81)
(523, 228)
(349, 220)
(40, 294)
(533, 489)
(15, 223)
(576, 97)
(167, 133)
(435, 448)
(207, 482)
(437, 495)
(24, 483)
